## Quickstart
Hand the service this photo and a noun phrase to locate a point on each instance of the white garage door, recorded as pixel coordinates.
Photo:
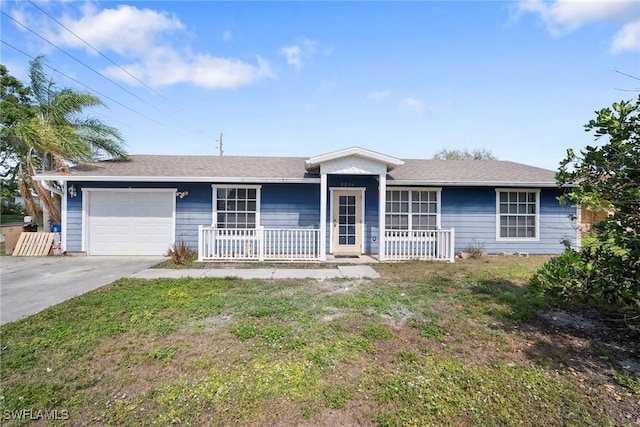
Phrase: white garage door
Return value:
(135, 222)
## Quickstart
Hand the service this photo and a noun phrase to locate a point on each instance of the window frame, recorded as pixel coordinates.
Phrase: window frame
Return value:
(216, 187)
(535, 215)
(410, 213)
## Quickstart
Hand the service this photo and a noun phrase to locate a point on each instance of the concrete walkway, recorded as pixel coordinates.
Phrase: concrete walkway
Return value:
(340, 272)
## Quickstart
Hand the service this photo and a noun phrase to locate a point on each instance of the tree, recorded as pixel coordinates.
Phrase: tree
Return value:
(605, 176)
(57, 135)
(475, 154)
(15, 106)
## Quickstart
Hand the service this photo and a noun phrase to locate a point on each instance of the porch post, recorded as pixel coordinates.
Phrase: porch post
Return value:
(382, 205)
(323, 216)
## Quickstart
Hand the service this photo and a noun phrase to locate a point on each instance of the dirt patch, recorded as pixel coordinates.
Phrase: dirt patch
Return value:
(564, 320)
(334, 313)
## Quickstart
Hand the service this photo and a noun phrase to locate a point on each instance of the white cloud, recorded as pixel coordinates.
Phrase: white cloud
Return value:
(150, 41)
(627, 39)
(379, 95)
(293, 55)
(414, 105)
(564, 16)
(302, 52)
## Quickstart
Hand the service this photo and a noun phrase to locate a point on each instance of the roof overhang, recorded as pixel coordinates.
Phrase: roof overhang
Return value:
(408, 182)
(208, 179)
(391, 163)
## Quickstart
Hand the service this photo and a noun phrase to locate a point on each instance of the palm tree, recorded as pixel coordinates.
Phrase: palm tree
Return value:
(59, 136)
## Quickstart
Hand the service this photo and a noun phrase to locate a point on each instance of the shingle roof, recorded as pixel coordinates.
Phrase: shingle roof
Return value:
(200, 168)
(472, 171)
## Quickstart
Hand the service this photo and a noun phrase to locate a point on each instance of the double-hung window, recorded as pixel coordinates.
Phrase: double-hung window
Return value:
(517, 214)
(236, 207)
(413, 209)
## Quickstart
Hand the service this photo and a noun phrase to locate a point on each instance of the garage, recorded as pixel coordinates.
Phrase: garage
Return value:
(129, 221)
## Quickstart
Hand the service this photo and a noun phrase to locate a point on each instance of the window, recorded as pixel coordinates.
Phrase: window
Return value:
(236, 207)
(413, 209)
(517, 214)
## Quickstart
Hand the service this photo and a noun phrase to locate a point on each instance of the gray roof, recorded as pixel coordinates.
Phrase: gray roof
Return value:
(252, 168)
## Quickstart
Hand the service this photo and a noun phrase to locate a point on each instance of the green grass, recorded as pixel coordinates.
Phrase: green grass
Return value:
(429, 344)
(9, 218)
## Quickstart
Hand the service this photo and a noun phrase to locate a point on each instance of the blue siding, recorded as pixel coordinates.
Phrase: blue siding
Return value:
(472, 212)
(290, 206)
(191, 211)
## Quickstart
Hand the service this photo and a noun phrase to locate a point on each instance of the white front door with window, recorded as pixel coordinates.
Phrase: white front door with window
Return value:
(346, 230)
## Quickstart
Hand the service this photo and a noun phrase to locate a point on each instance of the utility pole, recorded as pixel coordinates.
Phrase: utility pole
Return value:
(219, 147)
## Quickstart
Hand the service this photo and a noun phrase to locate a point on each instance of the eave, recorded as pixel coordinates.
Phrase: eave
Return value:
(208, 179)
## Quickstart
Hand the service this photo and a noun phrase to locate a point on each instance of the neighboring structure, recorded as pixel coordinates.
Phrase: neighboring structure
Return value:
(345, 203)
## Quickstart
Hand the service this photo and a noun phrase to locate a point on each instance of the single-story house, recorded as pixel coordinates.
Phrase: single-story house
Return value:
(346, 203)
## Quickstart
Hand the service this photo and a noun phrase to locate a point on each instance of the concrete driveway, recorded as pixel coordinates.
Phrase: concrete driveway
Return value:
(28, 285)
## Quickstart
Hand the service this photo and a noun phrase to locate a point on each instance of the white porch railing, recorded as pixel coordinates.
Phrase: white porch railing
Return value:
(258, 244)
(401, 245)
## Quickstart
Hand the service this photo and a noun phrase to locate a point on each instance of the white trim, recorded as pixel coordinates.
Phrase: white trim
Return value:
(323, 217)
(578, 227)
(438, 191)
(382, 206)
(84, 220)
(537, 215)
(63, 219)
(214, 200)
(390, 162)
(362, 212)
(84, 247)
(169, 179)
(405, 182)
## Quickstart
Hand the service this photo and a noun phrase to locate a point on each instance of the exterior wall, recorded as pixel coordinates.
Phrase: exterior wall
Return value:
(290, 206)
(472, 212)
(191, 211)
(282, 206)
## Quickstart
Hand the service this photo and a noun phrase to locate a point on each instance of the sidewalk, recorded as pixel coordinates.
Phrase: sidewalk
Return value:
(340, 272)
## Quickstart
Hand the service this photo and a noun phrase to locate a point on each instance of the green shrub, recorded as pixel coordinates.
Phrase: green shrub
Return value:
(560, 277)
(599, 273)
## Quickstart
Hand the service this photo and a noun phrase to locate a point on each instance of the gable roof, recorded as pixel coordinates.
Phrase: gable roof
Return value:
(313, 163)
(169, 168)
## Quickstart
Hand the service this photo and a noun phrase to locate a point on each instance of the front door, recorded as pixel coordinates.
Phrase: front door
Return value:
(347, 222)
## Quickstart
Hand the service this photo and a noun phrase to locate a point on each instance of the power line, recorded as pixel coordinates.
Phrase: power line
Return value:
(99, 52)
(94, 90)
(81, 62)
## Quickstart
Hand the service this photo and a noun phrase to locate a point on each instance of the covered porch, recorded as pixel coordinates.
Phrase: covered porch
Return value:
(353, 221)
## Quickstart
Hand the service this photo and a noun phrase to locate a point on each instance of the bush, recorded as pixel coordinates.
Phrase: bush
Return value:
(560, 277)
(7, 207)
(599, 273)
(181, 253)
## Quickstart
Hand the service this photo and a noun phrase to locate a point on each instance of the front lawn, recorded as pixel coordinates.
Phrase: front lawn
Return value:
(428, 344)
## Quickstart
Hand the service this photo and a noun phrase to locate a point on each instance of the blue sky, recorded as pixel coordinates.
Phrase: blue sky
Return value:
(304, 78)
